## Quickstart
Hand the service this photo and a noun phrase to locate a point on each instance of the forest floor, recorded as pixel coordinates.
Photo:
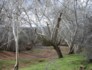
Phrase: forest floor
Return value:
(43, 58)
(46, 52)
(7, 59)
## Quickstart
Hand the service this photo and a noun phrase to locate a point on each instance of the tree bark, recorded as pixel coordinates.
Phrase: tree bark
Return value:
(57, 49)
(16, 67)
(71, 51)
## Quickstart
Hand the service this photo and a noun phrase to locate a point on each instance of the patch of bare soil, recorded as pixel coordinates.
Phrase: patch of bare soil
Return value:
(6, 55)
(35, 53)
(31, 57)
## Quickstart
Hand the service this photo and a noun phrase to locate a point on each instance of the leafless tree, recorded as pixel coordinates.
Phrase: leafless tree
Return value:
(50, 30)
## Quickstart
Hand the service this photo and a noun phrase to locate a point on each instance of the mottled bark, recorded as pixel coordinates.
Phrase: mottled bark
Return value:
(59, 53)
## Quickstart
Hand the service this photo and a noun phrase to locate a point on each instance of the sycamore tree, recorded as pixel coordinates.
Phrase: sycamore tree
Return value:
(78, 17)
(46, 17)
(16, 24)
(50, 23)
(88, 31)
(13, 11)
(73, 23)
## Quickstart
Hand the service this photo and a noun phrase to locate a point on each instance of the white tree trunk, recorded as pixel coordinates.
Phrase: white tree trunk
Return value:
(15, 34)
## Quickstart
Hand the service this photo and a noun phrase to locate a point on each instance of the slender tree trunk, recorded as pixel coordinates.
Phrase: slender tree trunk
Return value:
(76, 30)
(16, 38)
(57, 49)
(16, 67)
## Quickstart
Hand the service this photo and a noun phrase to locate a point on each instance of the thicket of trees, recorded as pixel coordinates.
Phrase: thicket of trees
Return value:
(28, 22)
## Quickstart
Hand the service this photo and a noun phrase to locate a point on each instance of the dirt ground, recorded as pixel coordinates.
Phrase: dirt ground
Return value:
(46, 52)
(31, 57)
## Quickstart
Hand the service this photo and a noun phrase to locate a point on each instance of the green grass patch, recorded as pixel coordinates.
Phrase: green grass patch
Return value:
(69, 62)
(6, 64)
